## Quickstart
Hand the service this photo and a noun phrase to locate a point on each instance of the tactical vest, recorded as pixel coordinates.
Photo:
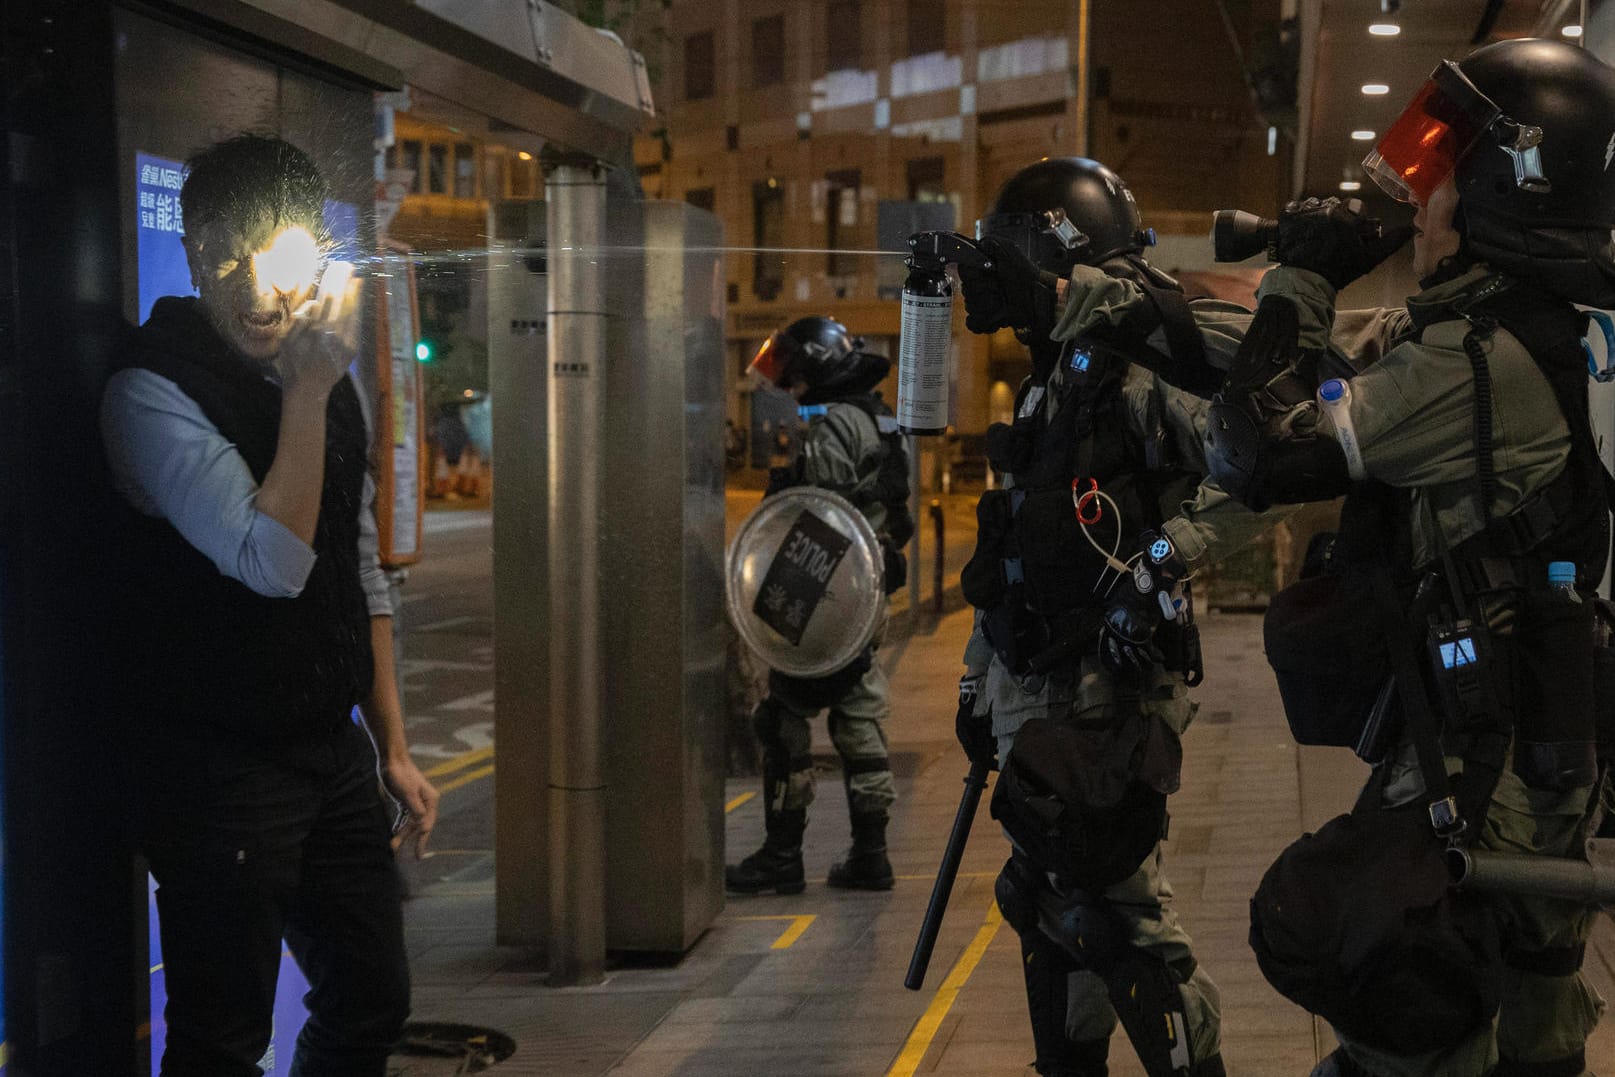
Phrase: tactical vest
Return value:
(1034, 573)
(1531, 695)
(889, 489)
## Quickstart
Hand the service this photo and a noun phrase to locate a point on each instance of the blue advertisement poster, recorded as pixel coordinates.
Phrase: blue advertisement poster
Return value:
(159, 226)
(163, 271)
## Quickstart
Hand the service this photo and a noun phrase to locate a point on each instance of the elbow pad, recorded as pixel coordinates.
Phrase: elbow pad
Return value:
(1260, 469)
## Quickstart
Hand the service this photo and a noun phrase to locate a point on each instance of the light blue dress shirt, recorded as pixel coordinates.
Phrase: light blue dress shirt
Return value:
(169, 461)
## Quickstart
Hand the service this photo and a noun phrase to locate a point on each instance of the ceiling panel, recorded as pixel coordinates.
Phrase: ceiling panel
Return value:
(1348, 57)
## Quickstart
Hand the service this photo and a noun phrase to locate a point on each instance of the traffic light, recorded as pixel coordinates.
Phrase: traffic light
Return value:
(423, 351)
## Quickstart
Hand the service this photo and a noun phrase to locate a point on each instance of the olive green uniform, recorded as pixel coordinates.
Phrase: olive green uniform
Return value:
(1412, 412)
(1207, 527)
(841, 452)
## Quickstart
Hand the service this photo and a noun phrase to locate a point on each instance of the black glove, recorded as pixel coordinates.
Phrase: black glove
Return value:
(1139, 603)
(1011, 291)
(975, 734)
(1334, 240)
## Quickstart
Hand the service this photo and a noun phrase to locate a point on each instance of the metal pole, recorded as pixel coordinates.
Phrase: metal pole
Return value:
(1083, 75)
(938, 526)
(914, 514)
(575, 192)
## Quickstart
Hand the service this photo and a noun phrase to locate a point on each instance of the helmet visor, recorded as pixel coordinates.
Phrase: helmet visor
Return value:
(1423, 147)
(778, 360)
(1046, 238)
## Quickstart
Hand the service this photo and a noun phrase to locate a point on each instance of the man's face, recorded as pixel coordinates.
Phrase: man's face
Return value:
(1435, 238)
(251, 278)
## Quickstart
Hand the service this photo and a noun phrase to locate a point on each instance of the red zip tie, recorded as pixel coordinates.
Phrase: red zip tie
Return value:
(1082, 500)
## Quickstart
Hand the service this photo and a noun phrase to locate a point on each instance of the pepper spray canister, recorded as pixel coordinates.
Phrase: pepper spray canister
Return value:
(922, 356)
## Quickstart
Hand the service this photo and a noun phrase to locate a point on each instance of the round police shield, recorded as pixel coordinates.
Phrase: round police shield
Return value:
(804, 582)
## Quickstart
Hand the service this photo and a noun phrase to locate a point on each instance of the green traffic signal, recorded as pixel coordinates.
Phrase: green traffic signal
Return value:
(423, 351)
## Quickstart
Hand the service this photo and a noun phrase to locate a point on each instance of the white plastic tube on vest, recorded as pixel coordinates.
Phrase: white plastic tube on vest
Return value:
(1334, 396)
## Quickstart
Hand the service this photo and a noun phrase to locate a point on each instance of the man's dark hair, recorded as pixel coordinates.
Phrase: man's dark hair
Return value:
(253, 177)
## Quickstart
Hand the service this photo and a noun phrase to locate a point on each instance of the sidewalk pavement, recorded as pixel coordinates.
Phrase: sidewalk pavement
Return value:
(812, 984)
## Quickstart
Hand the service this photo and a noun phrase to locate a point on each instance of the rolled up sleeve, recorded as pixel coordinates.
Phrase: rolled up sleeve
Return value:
(372, 577)
(169, 461)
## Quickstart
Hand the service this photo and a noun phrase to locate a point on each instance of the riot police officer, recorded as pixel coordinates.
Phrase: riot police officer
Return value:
(1472, 471)
(1077, 673)
(851, 447)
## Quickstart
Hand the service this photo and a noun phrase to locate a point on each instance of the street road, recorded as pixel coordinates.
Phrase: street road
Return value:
(447, 622)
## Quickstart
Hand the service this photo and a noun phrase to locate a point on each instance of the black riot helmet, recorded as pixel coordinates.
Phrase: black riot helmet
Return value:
(819, 353)
(1527, 127)
(1063, 211)
(809, 350)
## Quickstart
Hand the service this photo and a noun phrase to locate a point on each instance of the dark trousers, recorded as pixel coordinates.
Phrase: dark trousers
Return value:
(253, 843)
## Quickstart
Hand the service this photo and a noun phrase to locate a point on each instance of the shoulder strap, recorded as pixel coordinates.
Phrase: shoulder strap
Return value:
(1540, 323)
(1445, 817)
(1177, 322)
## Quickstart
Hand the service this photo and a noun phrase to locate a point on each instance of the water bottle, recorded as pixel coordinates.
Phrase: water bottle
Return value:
(1562, 579)
(1335, 397)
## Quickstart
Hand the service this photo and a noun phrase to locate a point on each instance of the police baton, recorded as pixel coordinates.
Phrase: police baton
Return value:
(975, 783)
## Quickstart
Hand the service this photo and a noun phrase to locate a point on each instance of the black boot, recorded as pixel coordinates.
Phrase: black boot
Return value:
(778, 864)
(866, 866)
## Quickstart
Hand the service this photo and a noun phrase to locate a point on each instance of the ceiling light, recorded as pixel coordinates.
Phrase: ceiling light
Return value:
(1375, 89)
(1350, 185)
(1384, 29)
(1362, 136)
(1572, 30)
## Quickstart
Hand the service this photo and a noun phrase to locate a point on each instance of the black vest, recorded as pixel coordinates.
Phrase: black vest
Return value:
(1033, 571)
(206, 651)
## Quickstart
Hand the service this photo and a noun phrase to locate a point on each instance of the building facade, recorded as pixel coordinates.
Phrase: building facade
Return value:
(822, 133)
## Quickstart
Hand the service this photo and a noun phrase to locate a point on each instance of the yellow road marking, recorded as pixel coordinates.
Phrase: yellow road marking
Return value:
(459, 762)
(465, 779)
(919, 1040)
(737, 802)
(799, 924)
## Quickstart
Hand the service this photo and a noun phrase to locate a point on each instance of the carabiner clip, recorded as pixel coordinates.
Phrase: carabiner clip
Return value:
(1084, 499)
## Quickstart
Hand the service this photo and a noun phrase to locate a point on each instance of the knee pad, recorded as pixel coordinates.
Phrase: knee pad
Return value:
(1016, 893)
(1048, 970)
(1144, 993)
(765, 723)
(1143, 987)
(1090, 930)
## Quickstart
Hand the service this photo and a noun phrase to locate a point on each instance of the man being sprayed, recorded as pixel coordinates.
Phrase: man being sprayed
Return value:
(850, 447)
(260, 618)
(1085, 645)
